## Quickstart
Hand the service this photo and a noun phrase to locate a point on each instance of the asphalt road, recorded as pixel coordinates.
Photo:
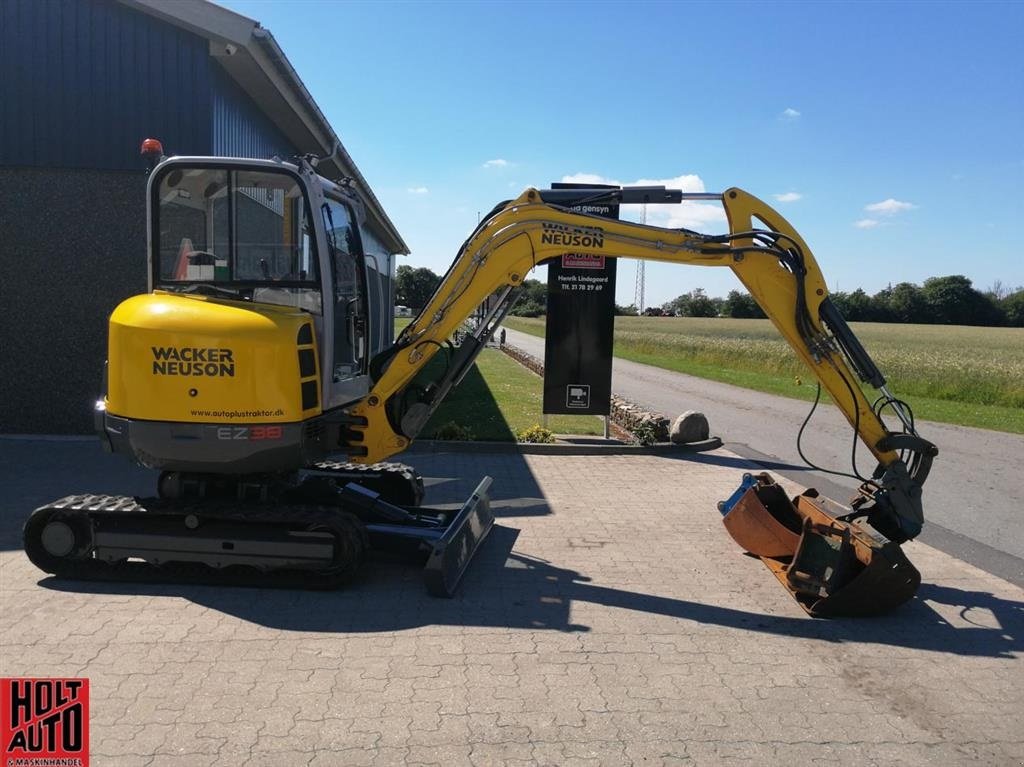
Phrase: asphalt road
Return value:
(973, 499)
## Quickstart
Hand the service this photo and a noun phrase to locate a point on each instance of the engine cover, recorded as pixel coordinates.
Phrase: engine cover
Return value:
(199, 383)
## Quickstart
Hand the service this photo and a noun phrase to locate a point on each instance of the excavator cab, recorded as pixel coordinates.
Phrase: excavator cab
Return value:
(256, 329)
(268, 233)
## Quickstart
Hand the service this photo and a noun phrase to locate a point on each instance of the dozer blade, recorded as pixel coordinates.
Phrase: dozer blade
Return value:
(831, 567)
(452, 552)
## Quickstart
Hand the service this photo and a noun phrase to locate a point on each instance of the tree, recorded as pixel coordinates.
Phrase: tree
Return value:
(858, 306)
(998, 291)
(855, 306)
(678, 305)
(696, 303)
(879, 309)
(741, 306)
(1013, 308)
(839, 300)
(703, 306)
(532, 301)
(414, 287)
(953, 300)
(907, 303)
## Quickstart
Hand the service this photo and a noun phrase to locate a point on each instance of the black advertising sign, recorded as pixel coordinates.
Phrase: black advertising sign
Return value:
(580, 324)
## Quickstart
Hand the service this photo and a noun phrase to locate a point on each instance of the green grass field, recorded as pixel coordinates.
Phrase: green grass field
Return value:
(962, 375)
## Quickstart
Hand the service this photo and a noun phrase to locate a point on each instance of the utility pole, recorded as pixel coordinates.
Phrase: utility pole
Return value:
(639, 288)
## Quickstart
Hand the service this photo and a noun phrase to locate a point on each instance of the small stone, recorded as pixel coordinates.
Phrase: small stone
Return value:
(691, 426)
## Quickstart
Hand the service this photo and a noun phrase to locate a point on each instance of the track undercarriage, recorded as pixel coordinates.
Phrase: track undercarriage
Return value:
(311, 531)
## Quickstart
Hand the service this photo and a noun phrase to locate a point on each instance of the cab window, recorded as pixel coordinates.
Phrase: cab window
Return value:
(240, 231)
(348, 281)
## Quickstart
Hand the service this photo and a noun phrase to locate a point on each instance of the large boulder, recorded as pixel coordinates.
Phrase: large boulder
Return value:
(691, 426)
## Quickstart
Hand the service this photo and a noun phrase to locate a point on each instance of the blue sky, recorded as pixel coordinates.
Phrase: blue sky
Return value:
(890, 134)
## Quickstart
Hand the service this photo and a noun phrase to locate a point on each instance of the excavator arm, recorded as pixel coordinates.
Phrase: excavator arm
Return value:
(762, 248)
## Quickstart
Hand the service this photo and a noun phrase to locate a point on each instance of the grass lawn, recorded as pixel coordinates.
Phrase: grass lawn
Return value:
(499, 397)
(952, 374)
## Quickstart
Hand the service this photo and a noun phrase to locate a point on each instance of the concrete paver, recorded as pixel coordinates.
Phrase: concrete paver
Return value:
(609, 620)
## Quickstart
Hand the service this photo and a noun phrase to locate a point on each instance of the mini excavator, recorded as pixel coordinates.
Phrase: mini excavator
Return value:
(245, 374)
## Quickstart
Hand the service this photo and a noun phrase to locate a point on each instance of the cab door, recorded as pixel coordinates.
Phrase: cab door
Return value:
(348, 345)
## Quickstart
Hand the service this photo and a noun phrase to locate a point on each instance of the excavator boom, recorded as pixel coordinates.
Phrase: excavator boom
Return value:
(762, 249)
(830, 566)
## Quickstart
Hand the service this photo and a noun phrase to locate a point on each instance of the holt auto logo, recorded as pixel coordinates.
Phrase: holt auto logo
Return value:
(44, 722)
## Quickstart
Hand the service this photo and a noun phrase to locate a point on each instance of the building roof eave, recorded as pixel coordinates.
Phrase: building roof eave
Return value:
(253, 58)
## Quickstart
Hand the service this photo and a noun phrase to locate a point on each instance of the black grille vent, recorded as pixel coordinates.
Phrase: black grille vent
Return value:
(314, 430)
(309, 381)
(307, 363)
(310, 397)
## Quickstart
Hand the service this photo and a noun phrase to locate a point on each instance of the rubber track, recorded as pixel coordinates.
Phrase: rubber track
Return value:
(397, 483)
(351, 538)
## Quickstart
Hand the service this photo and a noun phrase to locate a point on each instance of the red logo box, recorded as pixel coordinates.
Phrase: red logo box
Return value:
(44, 721)
(581, 261)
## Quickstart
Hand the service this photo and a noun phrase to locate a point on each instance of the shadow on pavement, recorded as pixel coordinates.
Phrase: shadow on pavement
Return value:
(736, 462)
(504, 589)
(34, 472)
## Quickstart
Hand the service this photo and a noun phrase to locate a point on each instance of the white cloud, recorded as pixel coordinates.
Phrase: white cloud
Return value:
(417, 190)
(587, 178)
(788, 197)
(889, 207)
(866, 223)
(688, 183)
(688, 215)
(789, 114)
(498, 163)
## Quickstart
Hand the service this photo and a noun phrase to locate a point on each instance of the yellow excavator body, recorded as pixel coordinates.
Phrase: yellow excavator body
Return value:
(198, 359)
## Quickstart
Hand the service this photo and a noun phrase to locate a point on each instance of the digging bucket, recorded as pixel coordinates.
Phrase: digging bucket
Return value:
(831, 566)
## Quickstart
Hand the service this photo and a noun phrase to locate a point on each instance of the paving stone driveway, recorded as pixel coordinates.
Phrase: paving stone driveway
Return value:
(609, 620)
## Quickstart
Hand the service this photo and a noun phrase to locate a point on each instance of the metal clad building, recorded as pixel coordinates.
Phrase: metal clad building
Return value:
(82, 82)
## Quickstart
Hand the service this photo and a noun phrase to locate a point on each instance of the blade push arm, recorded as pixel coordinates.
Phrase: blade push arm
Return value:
(765, 252)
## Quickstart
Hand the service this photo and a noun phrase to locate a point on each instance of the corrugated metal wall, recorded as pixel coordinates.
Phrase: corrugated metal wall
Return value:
(82, 82)
(240, 128)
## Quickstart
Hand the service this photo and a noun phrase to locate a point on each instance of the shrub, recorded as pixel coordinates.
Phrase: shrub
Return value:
(535, 433)
(452, 431)
(645, 433)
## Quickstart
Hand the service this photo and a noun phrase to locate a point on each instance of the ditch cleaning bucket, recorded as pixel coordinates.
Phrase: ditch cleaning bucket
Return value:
(832, 567)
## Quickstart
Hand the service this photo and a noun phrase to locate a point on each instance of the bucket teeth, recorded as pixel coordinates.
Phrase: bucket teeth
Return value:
(832, 567)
